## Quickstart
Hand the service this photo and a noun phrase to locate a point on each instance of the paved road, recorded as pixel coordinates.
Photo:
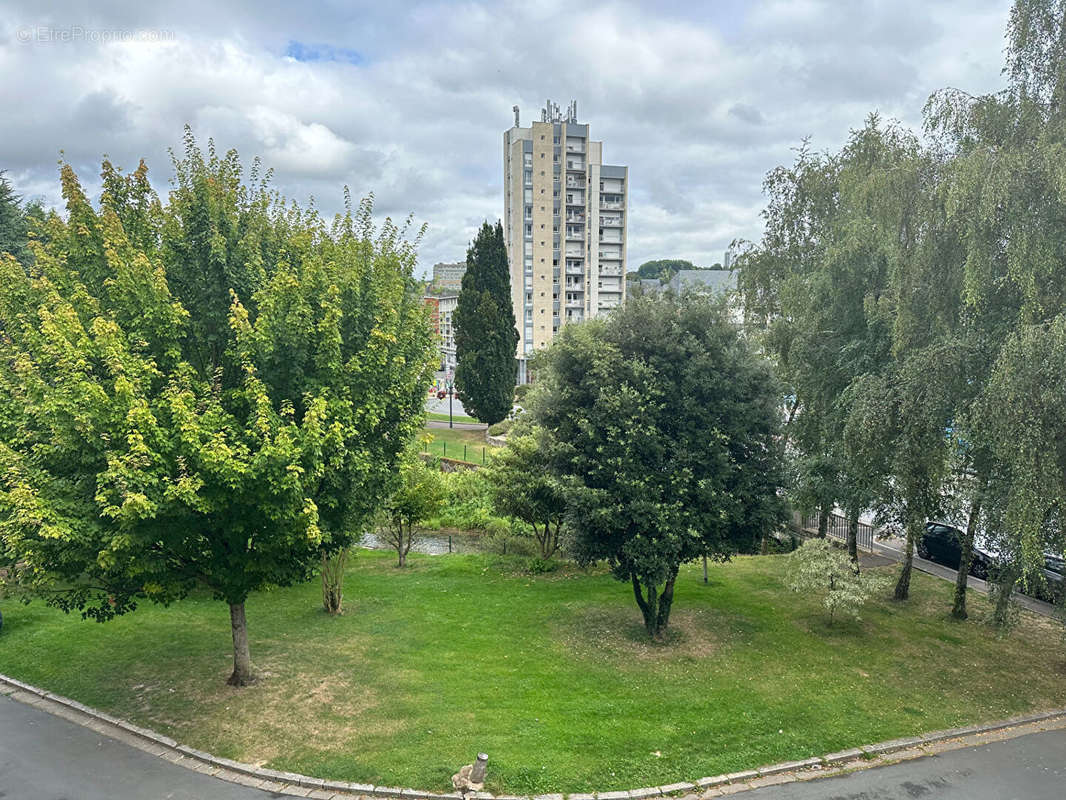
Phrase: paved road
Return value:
(1027, 768)
(48, 758)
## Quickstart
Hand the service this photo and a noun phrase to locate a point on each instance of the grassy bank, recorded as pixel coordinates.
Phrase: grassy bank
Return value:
(460, 444)
(551, 676)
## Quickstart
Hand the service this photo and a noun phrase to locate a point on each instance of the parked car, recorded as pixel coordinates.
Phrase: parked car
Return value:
(942, 544)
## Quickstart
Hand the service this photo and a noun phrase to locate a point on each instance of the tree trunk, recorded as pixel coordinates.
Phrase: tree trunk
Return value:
(1005, 582)
(403, 544)
(333, 580)
(853, 536)
(705, 569)
(243, 673)
(666, 600)
(648, 606)
(823, 522)
(903, 585)
(958, 609)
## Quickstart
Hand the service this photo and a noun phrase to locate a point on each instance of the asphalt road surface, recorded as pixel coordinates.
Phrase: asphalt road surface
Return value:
(1027, 768)
(49, 758)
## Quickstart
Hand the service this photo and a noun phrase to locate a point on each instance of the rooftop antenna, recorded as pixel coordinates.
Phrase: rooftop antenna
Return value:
(515, 109)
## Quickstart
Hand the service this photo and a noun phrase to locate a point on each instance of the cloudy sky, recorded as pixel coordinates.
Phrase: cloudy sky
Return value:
(409, 100)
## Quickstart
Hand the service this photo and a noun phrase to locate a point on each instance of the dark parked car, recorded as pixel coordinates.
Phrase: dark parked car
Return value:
(942, 544)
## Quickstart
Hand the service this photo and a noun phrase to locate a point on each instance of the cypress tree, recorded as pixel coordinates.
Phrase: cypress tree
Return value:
(12, 222)
(485, 336)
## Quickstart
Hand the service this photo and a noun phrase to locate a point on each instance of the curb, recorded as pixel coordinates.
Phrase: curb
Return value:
(281, 782)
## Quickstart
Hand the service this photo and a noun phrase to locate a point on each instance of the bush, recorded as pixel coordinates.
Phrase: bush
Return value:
(504, 538)
(467, 501)
(501, 428)
(818, 568)
(540, 566)
(521, 392)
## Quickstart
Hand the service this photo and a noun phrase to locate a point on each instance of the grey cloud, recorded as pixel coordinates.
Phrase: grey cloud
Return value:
(699, 100)
(746, 113)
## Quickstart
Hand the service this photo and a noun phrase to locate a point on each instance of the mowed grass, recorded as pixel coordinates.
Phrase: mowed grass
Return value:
(463, 445)
(444, 417)
(551, 676)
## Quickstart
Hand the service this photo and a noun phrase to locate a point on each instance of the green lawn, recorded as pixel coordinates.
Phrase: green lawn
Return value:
(461, 444)
(455, 417)
(551, 676)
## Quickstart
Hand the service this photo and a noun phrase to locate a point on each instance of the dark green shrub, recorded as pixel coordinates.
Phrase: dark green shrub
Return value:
(540, 566)
(501, 428)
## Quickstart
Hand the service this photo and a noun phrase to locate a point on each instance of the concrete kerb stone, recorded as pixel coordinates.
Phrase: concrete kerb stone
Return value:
(789, 766)
(645, 793)
(841, 756)
(675, 788)
(743, 776)
(892, 745)
(247, 774)
(711, 782)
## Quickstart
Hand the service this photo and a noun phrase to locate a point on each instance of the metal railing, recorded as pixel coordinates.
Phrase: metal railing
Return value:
(836, 527)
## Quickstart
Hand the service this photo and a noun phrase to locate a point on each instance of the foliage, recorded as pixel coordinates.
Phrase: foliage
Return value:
(501, 428)
(820, 569)
(663, 268)
(540, 565)
(661, 422)
(485, 335)
(524, 487)
(417, 495)
(467, 500)
(207, 393)
(13, 224)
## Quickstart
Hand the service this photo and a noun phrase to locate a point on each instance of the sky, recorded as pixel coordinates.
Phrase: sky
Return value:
(410, 100)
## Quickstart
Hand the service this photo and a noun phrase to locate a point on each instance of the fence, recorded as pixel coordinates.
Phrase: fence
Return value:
(836, 527)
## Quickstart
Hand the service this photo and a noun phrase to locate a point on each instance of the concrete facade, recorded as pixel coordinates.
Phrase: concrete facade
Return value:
(441, 310)
(565, 218)
(448, 278)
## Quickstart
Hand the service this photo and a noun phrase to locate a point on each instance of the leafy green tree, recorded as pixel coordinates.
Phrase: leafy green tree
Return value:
(417, 495)
(485, 335)
(13, 227)
(663, 421)
(663, 268)
(817, 568)
(525, 488)
(1025, 419)
(214, 402)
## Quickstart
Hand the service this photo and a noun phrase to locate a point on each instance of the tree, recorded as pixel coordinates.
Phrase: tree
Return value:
(662, 421)
(207, 393)
(525, 488)
(485, 335)
(663, 268)
(13, 227)
(417, 495)
(818, 568)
